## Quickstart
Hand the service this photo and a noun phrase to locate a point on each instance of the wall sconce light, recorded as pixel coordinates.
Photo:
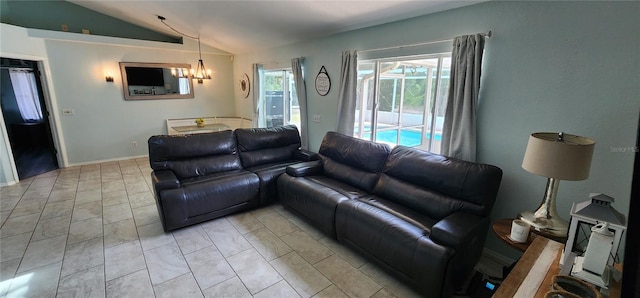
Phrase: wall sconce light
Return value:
(109, 77)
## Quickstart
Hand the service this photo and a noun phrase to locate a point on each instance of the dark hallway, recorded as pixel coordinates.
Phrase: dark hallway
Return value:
(26, 118)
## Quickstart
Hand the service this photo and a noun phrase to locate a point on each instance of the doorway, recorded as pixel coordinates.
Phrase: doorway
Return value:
(26, 117)
(280, 99)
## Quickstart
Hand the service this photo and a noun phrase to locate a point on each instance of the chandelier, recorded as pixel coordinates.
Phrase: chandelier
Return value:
(201, 72)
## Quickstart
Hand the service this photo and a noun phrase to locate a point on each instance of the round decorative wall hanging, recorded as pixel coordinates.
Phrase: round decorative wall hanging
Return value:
(245, 85)
(323, 82)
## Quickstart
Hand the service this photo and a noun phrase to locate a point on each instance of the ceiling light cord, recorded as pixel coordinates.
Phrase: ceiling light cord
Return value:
(161, 18)
(200, 73)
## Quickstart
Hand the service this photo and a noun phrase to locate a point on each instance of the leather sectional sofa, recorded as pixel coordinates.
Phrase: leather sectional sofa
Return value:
(422, 216)
(200, 177)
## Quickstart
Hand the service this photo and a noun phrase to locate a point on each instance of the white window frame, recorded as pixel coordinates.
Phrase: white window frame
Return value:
(430, 124)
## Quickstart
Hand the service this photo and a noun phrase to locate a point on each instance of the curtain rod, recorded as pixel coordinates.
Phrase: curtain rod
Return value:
(21, 68)
(487, 35)
(279, 61)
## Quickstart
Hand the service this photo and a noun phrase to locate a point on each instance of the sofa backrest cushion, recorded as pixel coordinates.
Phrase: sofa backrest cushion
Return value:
(438, 185)
(267, 145)
(351, 160)
(194, 155)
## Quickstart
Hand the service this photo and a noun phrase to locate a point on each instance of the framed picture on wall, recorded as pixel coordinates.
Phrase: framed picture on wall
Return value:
(323, 82)
(244, 85)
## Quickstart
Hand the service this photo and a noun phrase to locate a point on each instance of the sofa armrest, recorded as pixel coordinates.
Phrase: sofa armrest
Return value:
(466, 233)
(459, 229)
(302, 169)
(164, 179)
(305, 155)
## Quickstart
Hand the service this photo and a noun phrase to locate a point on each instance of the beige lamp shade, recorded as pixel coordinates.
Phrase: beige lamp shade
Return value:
(557, 155)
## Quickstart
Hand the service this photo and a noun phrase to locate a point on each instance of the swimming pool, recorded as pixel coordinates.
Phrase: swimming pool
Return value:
(409, 138)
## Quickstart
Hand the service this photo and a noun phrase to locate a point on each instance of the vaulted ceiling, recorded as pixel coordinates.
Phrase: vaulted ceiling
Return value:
(243, 26)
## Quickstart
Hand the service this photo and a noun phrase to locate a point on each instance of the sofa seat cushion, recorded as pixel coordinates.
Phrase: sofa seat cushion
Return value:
(216, 193)
(423, 200)
(268, 175)
(212, 177)
(314, 201)
(400, 244)
(347, 190)
(417, 219)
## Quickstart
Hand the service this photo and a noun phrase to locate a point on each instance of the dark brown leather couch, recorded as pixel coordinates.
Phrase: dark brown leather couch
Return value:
(200, 177)
(420, 215)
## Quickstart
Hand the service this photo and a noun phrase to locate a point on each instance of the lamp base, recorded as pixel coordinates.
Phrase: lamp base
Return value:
(546, 220)
(556, 227)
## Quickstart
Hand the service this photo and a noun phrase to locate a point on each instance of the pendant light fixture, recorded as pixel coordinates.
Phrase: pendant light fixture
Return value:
(201, 72)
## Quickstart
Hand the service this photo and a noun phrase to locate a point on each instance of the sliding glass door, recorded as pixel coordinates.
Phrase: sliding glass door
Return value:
(280, 102)
(401, 101)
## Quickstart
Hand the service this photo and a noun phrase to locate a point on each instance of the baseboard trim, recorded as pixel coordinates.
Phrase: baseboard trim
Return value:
(107, 160)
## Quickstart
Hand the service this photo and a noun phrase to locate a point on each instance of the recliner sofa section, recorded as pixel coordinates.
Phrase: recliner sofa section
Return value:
(201, 177)
(420, 215)
(267, 152)
(347, 168)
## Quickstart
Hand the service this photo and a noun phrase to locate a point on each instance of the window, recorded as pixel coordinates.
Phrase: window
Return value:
(280, 100)
(401, 101)
(26, 92)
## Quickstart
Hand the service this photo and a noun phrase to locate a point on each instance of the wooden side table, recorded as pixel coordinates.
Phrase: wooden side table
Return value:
(533, 274)
(502, 229)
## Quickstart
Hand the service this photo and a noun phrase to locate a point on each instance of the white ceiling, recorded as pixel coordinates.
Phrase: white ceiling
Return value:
(243, 26)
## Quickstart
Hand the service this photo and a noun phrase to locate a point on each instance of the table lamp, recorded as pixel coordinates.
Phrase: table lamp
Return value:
(557, 156)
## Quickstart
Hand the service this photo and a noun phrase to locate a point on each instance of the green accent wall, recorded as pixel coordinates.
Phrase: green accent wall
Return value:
(50, 15)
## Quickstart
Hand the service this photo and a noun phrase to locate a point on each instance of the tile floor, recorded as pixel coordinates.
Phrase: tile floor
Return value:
(94, 231)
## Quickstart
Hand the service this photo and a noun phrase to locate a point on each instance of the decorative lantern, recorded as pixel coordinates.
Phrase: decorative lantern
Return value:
(594, 237)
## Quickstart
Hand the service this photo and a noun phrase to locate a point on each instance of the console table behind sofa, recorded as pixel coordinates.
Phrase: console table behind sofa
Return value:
(230, 123)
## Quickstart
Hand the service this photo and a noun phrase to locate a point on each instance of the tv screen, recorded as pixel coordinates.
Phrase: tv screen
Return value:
(144, 76)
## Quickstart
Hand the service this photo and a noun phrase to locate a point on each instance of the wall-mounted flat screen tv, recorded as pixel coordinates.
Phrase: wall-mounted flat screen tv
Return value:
(144, 76)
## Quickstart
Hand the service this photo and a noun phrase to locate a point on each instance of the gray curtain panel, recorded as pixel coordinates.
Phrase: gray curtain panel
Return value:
(459, 130)
(257, 94)
(301, 91)
(347, 92)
